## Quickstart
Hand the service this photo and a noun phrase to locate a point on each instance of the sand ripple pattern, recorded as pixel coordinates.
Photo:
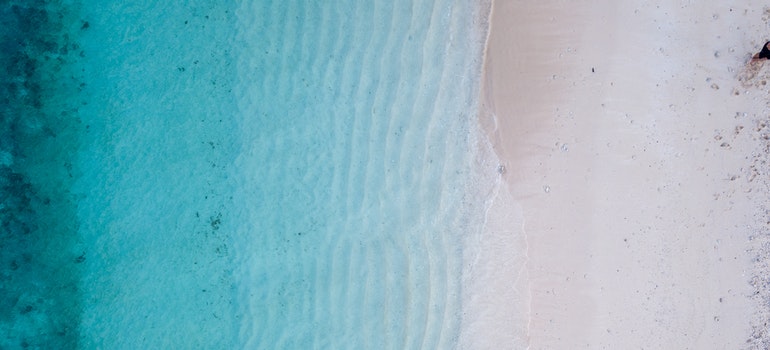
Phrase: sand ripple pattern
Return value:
(357, 121)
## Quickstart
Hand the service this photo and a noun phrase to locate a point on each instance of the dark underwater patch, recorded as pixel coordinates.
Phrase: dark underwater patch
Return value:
(39, 303)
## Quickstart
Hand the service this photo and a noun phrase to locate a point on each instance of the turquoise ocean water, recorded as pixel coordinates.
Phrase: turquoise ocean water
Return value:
(261, 175)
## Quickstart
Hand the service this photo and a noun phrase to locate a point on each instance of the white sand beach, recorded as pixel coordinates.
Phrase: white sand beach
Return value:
(634, 150)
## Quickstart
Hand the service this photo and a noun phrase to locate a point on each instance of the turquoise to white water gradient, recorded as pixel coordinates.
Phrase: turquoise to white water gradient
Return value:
(357, 124)
(261, 175)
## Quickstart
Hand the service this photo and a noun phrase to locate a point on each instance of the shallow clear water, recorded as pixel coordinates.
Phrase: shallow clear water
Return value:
(272, 174)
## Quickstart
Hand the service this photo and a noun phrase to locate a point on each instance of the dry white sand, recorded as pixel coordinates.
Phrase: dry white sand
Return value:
(635, 153)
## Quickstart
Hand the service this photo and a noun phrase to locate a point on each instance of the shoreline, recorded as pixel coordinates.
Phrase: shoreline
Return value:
(494, 310)
(627, 165)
